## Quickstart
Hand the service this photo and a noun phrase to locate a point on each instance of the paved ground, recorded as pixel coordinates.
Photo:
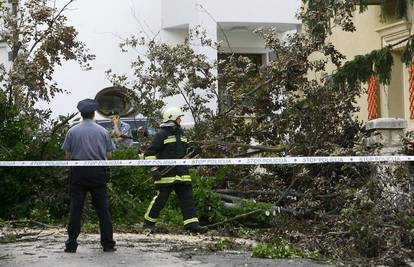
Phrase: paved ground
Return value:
(45, 248)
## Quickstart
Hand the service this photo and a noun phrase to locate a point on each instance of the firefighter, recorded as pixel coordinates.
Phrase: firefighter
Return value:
(170, 143)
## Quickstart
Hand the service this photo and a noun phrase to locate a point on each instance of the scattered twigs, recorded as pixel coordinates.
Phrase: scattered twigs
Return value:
(248, 154)
(235, 218)
(23, 232)
(250, 93)
(275, 149)
(30, 222)
(338, 233)
(19, 237)
(286, 193)
(246, 192)
(46, 234)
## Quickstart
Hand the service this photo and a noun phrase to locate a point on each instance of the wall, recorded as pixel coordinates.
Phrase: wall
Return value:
(264, 11)
(179, 12)
(393, 97)
(241, 41)
(4, 55)
(362, 41)
(4, 49)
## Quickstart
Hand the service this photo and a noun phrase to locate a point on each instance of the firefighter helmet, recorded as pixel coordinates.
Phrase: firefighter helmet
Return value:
(171, 114)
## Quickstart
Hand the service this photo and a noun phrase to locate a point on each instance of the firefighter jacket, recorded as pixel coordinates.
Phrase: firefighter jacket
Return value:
(169, 143)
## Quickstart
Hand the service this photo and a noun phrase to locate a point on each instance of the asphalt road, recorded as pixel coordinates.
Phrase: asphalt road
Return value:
(46, 249)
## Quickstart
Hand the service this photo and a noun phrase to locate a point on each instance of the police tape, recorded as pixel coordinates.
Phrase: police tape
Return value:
(209, 161)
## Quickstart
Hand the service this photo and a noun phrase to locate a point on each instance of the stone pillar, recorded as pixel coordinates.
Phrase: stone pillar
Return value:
(386, 132)
(388, 176)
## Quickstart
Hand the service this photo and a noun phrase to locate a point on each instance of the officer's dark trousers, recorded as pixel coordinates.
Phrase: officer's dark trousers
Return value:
(184, 193)
(83, 180)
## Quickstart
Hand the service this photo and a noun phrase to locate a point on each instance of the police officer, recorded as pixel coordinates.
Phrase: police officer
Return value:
(88, 141)
(170, 143)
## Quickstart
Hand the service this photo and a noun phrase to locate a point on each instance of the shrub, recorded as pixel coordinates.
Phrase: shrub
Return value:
(130, 189)
(209, 206)
(280, 249)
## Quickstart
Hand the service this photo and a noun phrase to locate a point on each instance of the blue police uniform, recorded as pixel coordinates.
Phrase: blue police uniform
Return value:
(88, 141)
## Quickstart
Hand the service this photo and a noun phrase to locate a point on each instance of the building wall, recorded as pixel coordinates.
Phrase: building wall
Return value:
(229, 22)
(244, 41)
(4, 55)
(373, 33)
(179, 12)
(263, 11)
(4, 49)
(393, 97)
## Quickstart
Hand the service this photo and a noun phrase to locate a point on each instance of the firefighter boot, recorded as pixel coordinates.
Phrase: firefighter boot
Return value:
(196, 228)
(152, 228)
(148, 225)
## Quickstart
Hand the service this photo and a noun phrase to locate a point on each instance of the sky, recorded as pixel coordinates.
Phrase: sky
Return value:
(102, 24)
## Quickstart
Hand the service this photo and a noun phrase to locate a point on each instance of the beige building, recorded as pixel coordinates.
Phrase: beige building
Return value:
(373, 32)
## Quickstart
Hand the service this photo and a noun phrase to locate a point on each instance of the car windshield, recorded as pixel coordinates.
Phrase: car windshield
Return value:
(135, 125)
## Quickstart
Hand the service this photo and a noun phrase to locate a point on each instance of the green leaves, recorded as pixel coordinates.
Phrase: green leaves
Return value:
(362, 67)
(168, 71)
(130, 189)
(407, 56)
(40, 40)
(320, 16)
(209, 205)
(281, 249)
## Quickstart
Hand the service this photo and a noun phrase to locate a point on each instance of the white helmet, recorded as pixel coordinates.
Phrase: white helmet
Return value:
(171, 114)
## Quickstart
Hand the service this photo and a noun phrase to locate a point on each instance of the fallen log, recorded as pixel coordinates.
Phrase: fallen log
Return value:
(232, 202)
(240, 216)
(230, 199)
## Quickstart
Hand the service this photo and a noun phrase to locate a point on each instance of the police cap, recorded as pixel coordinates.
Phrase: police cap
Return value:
(87, 105)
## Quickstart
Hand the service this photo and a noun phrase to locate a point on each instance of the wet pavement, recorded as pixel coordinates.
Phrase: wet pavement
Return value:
(45, 248)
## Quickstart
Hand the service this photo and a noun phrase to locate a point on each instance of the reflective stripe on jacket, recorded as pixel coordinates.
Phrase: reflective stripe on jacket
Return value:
(169, 143)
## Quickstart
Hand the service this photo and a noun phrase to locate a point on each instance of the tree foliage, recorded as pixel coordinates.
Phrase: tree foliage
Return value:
(39, 40)
(359, 70)
(292, 103)
(169, 71)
